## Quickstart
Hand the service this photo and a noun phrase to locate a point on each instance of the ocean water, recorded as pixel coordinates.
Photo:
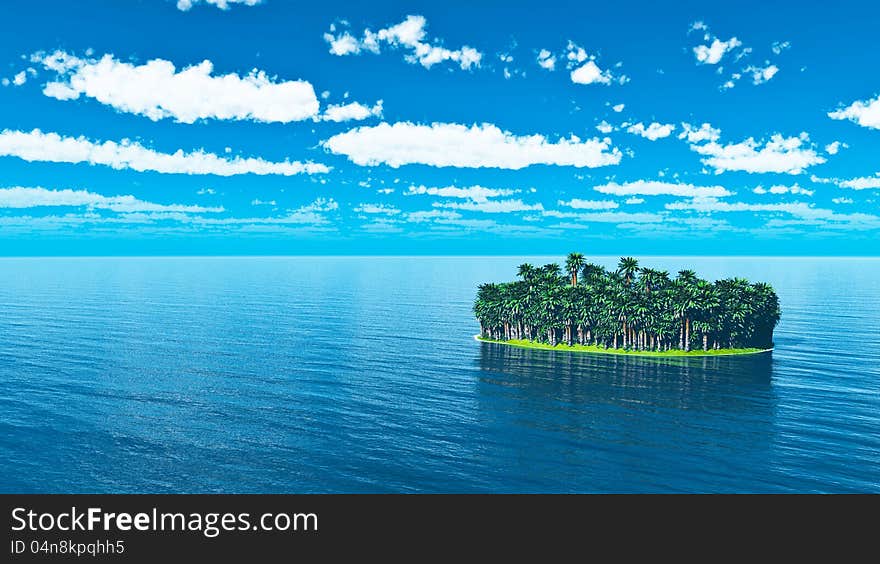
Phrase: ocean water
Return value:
(362, 375)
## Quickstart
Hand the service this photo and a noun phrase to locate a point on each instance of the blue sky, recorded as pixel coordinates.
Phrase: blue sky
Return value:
(269, 127)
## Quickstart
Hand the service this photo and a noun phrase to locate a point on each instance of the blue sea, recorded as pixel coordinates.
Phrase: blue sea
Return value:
(322, 374)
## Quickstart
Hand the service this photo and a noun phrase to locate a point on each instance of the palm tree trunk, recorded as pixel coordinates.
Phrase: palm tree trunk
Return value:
(687, 334)
(705, 341)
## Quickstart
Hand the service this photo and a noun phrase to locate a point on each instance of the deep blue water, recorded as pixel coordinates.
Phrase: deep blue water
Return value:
(361, 375)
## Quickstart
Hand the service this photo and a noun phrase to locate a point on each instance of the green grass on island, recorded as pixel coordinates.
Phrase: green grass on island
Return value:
(523, 343)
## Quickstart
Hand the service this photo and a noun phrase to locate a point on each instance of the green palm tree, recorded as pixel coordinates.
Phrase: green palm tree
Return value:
(573, 264)
(627, 267)
(526, 271)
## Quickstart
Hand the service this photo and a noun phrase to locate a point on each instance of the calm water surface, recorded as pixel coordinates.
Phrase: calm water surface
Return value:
(361, 375)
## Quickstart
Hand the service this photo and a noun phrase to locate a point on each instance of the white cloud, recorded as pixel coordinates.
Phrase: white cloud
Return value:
(695, 134)
(314, 213)
(575, 54)
(709, 205)
(713, 53)
(259, 202)
(589, 204)
(618, 108)
(607, 217)
(842, 200)
(779, 189)
(409, 35)
(342, 44)
(835, 147)
(477, 146)
(605, 127)
(383, 209)
(422, 216)
(491, 206)
(206, 192)
(19, 78)
(590, 73)
(546, 60)
(21, 197)
(654, 188)
(51, 147)
(475, 193)
(780, 46)
(584, 69)
(652, 132)
(865, 113)
(760, 75)
(158, 90)
(805, 212)
(863, 183)
(184, 5)
(352, 111)
(780, 154)
(634, 200)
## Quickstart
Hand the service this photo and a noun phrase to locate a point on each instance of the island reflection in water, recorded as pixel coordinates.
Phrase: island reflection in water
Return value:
(641, 420)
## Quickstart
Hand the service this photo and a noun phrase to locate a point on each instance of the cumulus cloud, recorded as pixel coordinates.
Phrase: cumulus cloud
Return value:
(655, 188)
(653, 131)
(477, 146)
(590, 73)
(791, 155)
(865, 113)
(51, 147)
(835, 147)
(21, 197)
(695, 134)
(760, 75)
(863, 183)
(185, 5)
(158, 90)
(713, 53)
(546, 60)
(779, 189)
(352, 112)
(475, 193)
(585, 70)
(618, 108)
(842, 200)
(409, 35)
(714, 50)
(579, 204)
(604, 127)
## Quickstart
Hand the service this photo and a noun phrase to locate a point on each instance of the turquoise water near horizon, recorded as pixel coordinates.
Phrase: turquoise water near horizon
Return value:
(361, 374)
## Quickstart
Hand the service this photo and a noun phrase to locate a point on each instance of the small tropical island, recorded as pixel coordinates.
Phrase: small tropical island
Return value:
(631, 310)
